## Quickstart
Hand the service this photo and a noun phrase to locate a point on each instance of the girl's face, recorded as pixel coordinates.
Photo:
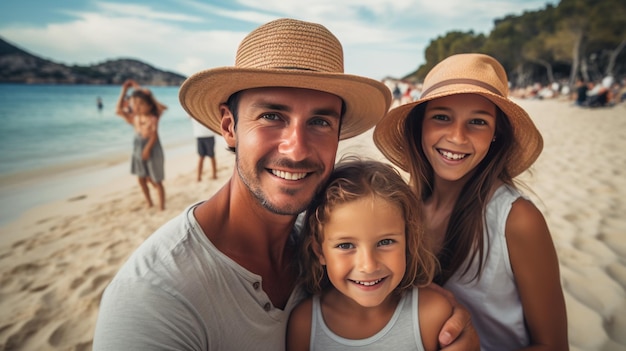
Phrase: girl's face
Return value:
(364, 249)
(457, 132)
(139, 106)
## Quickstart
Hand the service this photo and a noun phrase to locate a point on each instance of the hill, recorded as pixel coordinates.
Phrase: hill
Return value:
(19, 66)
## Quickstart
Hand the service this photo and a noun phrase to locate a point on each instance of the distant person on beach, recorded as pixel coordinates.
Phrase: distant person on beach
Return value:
(621, 93)
(581, 89)
(397, 94)
(462, 143)
(147, 162)
(99, 103)
(366, 262)
(597, 96)
(222, 275)
(205, 145)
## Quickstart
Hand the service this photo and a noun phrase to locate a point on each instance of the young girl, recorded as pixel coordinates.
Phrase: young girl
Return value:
(364, 260)
(143, 112)
(462, 143)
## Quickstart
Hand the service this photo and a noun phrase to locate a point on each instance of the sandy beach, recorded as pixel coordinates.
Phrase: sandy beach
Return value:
(56, 259)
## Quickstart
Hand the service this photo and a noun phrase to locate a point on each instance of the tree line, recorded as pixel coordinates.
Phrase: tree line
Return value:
(577, 39)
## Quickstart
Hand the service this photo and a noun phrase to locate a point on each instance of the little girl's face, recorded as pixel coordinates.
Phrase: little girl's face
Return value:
(457, 132)
(364, 249)
(139, 106)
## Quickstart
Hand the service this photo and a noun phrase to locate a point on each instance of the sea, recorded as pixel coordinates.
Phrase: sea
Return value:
(52, 130)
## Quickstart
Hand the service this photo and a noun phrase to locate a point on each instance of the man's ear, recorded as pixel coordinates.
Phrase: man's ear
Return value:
(228, 126)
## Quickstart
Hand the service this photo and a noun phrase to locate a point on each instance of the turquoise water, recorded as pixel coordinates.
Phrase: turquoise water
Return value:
(46, 125)
(46, 130)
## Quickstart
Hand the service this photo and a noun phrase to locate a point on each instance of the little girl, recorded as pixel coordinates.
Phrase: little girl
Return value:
(463, 142)
(147, 161)
(365, 262)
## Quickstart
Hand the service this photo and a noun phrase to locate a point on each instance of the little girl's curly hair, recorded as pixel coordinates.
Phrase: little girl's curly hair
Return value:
(353, 179)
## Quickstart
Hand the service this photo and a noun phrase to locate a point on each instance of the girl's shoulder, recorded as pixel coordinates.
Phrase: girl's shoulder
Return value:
(525, 218)
(299, 326)
(307, 301)
(434, 303)
(434, 309)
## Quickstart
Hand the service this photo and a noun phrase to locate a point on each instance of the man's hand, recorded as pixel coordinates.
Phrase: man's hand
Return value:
(458, 333)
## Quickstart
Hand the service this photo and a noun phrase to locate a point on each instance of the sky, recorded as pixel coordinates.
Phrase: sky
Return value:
(380, 38)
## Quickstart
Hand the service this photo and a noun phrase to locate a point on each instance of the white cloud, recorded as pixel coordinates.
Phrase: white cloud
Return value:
(257, 17)
(380, 37)
(95, 37)
(143, 11)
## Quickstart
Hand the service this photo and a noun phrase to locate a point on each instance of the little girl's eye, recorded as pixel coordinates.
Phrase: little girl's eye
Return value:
(345, 246)
(385, 242)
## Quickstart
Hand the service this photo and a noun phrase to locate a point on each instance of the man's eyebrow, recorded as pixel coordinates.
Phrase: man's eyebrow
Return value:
(271, 106)
(279, 107)
(327, 112)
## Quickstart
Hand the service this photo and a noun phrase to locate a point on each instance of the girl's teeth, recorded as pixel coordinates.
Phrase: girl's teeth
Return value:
(368, 283)
(452, 156)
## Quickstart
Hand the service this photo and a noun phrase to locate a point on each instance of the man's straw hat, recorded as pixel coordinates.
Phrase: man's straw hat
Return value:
(288, 53)
(464, 74)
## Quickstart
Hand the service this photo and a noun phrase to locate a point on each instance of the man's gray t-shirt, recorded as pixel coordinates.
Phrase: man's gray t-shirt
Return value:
(178, 292)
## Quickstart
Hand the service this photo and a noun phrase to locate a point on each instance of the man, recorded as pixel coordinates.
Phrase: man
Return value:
(205, 145)
(222, 276)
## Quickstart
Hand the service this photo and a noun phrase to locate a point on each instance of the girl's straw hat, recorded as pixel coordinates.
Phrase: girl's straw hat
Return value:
(464, 74)
(288, 53)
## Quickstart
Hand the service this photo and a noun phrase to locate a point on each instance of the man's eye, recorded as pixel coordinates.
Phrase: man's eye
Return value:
(320, 122)
(270, 116)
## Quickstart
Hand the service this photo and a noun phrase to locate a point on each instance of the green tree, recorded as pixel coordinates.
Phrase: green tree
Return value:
(579, 38)
(452, 43)
(607, 31)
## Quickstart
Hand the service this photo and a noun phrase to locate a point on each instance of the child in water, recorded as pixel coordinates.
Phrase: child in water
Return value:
(365, 262)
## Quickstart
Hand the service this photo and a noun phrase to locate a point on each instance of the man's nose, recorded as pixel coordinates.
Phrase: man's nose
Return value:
(295, 143)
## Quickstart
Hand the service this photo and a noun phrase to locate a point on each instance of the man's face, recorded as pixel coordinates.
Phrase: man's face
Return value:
(286, 142)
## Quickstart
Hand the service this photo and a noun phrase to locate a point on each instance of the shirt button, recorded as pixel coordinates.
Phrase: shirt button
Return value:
(256, 285)
(267, 307)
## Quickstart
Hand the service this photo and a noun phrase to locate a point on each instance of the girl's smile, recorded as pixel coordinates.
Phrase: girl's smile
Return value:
(456, 134)
(364, 249)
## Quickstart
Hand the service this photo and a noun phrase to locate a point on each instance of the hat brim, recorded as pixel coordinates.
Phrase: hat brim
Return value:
(390, 139)
(366, 100)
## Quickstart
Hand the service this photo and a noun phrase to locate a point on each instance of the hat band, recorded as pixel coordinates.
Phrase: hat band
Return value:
(295, 68)
(479, 83)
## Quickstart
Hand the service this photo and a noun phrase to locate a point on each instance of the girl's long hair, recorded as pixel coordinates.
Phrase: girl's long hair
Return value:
(148, 98)
(464, 237)
(354, 179)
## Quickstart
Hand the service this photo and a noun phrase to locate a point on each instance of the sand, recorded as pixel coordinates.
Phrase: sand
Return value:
(56, 259)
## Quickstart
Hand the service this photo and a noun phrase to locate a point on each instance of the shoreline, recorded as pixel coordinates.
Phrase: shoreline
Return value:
(23, 191)
(57, 258)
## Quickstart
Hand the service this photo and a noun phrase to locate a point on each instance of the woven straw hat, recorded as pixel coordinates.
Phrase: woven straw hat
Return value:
(288, 53)
(462, 74)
